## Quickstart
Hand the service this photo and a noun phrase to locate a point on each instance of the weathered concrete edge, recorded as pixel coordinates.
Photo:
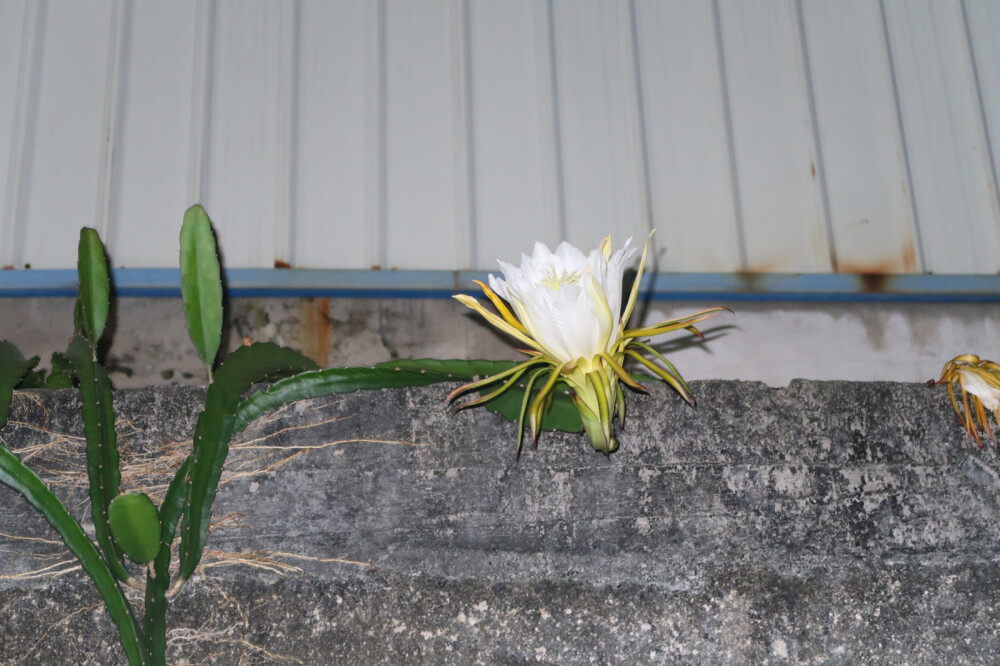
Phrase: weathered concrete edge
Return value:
(848, 523)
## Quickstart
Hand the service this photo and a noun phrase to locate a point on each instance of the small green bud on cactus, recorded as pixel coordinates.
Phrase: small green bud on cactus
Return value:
(135, 525)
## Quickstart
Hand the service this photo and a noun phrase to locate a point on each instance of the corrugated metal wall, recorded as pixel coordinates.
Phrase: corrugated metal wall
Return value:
(775, 136)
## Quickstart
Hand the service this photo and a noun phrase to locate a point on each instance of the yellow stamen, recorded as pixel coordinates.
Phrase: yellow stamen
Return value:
(606, 248)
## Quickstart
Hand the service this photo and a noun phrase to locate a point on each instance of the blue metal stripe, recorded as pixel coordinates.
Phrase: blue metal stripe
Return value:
(164, 282)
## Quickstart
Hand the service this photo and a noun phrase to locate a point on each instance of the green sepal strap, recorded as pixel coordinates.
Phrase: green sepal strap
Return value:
(562, 415)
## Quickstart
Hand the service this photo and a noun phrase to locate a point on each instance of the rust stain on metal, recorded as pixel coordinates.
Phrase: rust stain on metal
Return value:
(873, 283)
(812, 168)
(318, 328)
(909, 256)
(770, 265)
(376, 267)
(750, 280)
(323, 331)
(875, 272)
(872, 278)
(280, 263)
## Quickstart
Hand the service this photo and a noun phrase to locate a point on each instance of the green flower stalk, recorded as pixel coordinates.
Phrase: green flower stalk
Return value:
(567, 310)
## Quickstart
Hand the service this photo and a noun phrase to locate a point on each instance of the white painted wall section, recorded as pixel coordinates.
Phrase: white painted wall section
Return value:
(863, 155)
(812, 136)
(17, 37)
(953, 183)
(336, 203)
(160, 55)
(686, 137)
(427, 220)
(515, 165)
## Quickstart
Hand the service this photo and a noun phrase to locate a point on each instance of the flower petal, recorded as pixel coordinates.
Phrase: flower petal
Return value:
(981, 387)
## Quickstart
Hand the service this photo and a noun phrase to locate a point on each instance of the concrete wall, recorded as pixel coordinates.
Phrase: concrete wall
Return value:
(769, 342)
(824, 522)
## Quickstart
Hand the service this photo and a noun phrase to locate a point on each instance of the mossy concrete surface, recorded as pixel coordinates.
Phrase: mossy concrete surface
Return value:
(824, 522)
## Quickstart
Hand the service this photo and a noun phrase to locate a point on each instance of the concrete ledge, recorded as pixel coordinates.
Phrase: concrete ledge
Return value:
(825, 522)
